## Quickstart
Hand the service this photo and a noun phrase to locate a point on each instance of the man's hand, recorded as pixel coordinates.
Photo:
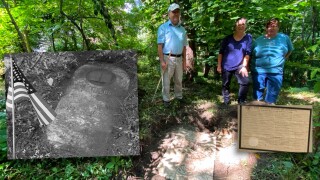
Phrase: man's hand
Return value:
(244, 72)
(163, 65)
(219, 69)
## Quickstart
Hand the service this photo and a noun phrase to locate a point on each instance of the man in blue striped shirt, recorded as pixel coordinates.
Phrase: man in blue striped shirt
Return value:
(172, 42)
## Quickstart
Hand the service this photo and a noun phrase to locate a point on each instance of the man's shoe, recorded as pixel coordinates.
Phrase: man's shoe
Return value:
(166, 103)
(225, 105)
(242, 102)
(182, 101)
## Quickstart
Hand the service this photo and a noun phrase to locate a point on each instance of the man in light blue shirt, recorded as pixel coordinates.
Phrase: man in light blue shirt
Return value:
(172, 42)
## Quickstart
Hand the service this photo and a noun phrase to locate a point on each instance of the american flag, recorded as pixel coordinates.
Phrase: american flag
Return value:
(24, 90)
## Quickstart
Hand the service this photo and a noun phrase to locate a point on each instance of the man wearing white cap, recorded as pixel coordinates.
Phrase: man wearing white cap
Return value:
(172, 42)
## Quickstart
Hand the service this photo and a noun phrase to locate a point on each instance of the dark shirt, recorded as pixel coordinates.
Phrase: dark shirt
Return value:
(234, 51)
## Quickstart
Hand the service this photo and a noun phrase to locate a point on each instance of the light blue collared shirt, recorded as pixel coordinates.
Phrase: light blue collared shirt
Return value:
(173, 38)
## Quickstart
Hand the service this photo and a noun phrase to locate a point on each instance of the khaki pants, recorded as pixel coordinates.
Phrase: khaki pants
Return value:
(174, 69)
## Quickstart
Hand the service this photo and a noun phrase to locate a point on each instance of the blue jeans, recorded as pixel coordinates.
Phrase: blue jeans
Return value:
(242, 81)
(270, 81)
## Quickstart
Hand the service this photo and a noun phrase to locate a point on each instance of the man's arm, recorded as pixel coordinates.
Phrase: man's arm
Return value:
(161, 57)
(184, 57)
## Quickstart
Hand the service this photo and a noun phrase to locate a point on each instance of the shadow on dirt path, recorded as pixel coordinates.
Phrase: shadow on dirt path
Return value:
(199, 143)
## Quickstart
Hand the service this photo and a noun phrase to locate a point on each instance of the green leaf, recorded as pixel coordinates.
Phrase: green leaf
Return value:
(287, 164)
(315, 162)
(211, 19)
(3, 139)
(313, 48)
(313, 73)
(55, 169)
(110, 165)
(316, 87)
(3, 132)
(316, 124)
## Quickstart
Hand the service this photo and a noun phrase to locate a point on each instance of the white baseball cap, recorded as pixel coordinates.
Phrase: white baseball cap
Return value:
(173, 6)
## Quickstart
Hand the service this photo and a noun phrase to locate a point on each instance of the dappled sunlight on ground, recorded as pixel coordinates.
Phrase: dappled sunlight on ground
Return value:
(204, 112)
(232, 156)
(184, 152)
(187, 154)
(306, 97)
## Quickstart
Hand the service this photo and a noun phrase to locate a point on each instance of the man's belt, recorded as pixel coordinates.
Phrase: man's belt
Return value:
(174, 55)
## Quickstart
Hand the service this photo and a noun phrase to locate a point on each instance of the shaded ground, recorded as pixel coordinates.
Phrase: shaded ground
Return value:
(201, 116)
(184, 153)
(175, 153)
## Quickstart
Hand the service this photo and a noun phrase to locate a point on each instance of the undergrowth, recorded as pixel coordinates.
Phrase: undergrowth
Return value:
(151, 114)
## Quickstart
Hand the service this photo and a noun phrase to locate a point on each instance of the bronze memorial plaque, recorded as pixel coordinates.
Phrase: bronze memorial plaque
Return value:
(275, 128)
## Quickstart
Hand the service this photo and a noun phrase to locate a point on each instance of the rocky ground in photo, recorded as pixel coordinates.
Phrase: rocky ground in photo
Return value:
(96, 99)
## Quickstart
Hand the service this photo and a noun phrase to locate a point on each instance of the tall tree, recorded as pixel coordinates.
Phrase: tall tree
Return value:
(100, 7)
(73, 19)
(22, 35)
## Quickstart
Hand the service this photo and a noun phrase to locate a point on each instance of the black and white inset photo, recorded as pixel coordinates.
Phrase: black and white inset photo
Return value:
(72, 104)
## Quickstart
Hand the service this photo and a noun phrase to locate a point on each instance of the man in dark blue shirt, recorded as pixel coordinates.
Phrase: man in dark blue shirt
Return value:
(233, 59)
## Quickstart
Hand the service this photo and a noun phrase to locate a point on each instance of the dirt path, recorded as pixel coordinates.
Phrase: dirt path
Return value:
(202, 146)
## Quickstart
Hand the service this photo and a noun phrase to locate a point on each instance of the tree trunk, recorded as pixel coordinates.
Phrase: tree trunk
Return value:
(74, 40)
(303, 30)
(73, 21)
(26, 39)
(23, 39)
(107, 19)
(314, 23)
(53, 44)
(191, 33)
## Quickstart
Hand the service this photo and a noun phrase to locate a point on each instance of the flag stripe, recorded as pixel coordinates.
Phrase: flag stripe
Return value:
(41, 118)
(9, 106)
(16, 92)
(45, 111)
(18, 84)
(20, 90)
(24, 90)
(51, 113)
(19, 95)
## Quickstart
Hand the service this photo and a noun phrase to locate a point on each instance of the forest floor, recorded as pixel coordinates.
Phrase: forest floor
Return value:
(200, 141)
(197, 144)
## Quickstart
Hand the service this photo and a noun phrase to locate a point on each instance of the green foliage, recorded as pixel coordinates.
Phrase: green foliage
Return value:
(3, 126)
(206, 21)
(76, 168)
(3, 134)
